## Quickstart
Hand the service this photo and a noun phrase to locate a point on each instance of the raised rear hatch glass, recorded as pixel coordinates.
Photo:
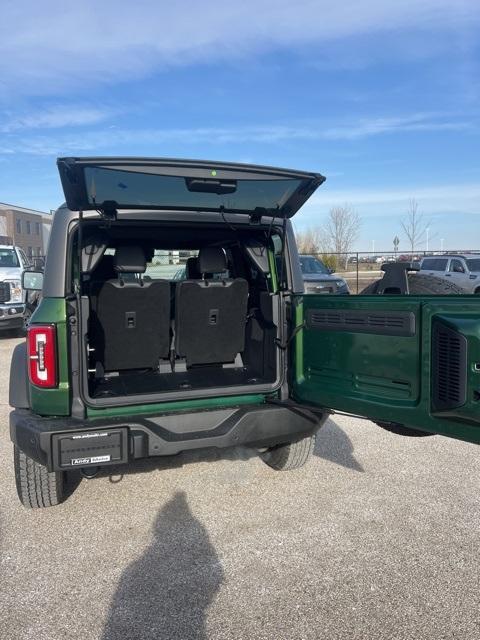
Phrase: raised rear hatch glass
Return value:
(186, 185)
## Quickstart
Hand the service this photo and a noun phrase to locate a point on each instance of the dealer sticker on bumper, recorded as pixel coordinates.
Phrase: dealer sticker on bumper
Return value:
(92, 460)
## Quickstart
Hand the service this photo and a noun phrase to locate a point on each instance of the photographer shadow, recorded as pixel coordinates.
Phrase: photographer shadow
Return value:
(333, 444)
(166, 593)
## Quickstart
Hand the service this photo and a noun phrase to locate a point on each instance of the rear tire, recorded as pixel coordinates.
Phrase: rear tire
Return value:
(285, 457)
(418, 284)
(36, 486)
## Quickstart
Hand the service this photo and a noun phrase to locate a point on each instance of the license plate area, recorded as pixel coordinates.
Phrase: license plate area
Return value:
(90, 448)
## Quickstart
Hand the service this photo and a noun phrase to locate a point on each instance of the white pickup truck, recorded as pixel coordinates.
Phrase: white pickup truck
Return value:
(15, 305)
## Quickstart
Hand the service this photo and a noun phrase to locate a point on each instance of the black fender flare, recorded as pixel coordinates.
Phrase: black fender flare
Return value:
(19, 390)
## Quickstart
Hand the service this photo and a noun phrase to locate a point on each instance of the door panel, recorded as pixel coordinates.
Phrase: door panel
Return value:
(457, 277)
(405, 359)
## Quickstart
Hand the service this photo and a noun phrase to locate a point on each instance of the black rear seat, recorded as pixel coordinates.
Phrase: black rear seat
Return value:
(131, 322)
(191, 269)
(210, 314)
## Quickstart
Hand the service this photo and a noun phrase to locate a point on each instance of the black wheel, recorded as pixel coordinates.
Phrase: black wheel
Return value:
(419, 283)
(37, 487)
(285, 457)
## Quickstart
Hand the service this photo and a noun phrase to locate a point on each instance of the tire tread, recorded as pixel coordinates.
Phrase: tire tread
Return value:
(36, 486)
(293, 455)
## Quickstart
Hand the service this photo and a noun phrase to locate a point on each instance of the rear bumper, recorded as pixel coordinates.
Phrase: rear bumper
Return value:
(66, 443)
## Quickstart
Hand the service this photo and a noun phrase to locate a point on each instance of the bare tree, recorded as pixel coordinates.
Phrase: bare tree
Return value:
(342, 229)
(311, 240)
(414, 226)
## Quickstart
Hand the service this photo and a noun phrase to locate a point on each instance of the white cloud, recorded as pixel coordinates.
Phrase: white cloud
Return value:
(113, 138)
(387, 202)
(55, 117)
(49, 44)
(376, 126)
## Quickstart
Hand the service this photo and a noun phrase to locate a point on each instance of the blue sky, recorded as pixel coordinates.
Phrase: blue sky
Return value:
(380, 96)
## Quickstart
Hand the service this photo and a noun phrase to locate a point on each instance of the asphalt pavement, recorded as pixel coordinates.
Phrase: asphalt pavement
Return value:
(377, 537)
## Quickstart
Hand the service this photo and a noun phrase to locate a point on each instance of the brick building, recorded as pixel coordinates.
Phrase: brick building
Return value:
(25, 228)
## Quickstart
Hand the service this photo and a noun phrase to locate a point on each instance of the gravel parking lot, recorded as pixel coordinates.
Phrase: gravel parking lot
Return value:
(378, 537)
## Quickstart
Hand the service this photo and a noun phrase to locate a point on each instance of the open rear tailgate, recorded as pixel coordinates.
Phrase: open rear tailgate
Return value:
(183, 185)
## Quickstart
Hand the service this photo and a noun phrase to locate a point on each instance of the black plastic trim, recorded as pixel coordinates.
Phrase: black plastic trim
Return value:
(384, 323)
(449, 368)
(19, 396)
(259, 426)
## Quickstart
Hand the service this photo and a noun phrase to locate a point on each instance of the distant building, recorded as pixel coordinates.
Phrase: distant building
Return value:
(25, 228)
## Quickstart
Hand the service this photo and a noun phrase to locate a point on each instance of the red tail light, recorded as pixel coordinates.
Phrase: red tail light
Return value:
(42, 355)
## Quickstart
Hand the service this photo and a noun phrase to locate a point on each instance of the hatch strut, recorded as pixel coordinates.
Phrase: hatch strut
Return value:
(284, 243)
(108, 210)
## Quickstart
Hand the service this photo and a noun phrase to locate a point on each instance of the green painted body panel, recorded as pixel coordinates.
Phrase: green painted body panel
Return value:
(385, 377)
(53, 402)
(272, 276)
(183, 405)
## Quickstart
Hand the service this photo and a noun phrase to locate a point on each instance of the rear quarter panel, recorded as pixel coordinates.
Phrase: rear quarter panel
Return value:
(53, 402)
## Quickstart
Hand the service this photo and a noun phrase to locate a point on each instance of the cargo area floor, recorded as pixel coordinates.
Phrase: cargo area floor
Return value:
(136, 383)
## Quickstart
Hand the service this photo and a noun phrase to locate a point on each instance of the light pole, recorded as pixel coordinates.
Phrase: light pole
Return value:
(428, 236)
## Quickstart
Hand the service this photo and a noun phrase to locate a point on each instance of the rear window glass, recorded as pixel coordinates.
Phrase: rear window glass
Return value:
(8, 258)
(434, 264)
(474, 265)
(169, 264)
(128, 188)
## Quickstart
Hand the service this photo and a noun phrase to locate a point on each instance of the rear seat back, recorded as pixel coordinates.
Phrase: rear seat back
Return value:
(132, 319)
(210, 315)
(191, 270)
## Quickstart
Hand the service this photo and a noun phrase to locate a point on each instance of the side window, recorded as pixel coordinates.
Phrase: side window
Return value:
(456, 266)
(19, 226)
(428, 264)
(434, 264)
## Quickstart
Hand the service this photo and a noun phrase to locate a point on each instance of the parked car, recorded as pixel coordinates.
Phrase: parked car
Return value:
(317, 278)
(462, 270)
(16, 305)
(118, 367)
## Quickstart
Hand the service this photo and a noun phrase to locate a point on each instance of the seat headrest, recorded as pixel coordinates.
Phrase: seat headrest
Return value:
(129, 260)
(191, 269)
(212, 260)
(104, 269)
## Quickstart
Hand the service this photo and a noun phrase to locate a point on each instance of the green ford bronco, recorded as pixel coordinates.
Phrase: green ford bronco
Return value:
(173, 318)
